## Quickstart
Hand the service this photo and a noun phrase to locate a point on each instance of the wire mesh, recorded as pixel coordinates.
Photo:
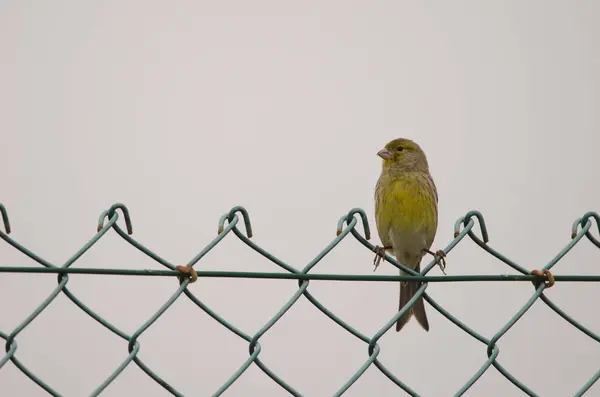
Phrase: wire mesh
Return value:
(347, 225)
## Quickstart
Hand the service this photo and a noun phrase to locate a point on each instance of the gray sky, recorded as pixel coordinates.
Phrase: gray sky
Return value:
(182, 110)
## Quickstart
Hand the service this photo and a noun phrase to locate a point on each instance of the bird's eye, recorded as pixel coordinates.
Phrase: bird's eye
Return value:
(400, 148)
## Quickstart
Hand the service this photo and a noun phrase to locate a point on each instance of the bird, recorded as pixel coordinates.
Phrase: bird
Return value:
(406, 214)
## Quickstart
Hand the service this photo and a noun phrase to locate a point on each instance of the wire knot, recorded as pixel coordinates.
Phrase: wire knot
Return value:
(188, 272)
(546, 274)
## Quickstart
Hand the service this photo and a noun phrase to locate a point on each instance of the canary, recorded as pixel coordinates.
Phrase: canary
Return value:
(406, 213)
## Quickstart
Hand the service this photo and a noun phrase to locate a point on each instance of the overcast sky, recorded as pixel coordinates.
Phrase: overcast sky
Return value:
(182, 110)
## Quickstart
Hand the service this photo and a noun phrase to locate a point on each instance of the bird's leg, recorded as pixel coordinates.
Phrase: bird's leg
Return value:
(440, 258)
(379, 254)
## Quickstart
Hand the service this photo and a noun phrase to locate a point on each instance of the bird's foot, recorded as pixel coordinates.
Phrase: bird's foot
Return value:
(440, 259)
(188, 272)
(379, 254)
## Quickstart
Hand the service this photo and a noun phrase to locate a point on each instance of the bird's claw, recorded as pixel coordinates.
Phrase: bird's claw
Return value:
(440, 259)
(379, 255)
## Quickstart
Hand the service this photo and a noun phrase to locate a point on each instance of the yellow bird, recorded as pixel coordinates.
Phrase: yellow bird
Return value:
(406, 214)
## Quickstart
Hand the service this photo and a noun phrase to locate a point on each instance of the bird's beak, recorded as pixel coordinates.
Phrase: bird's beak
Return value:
(384, 154)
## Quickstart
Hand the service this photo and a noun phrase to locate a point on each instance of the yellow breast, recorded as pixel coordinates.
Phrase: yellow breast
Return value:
(406, 203)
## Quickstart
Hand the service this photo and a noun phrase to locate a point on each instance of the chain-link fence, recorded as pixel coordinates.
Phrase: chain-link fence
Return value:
(541, 278)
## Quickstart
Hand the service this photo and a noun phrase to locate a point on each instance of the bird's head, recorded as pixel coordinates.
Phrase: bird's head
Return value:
(403, 155)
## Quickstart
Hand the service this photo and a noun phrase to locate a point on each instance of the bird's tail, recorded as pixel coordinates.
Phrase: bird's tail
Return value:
(407, 291)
